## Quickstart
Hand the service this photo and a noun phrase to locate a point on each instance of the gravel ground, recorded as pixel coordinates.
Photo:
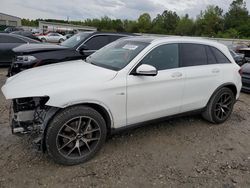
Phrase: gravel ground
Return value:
(182, 152)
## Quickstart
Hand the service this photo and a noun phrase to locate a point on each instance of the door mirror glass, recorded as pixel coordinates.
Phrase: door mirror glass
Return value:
(146, 70)
(83, 48)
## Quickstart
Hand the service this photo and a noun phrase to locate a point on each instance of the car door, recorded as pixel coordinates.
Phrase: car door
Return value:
(152, 97)
(51, 37)
(203, 75)
(95, 43)
(56, 37)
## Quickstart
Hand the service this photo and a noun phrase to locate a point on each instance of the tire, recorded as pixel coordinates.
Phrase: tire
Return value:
(216, 111)
(61, 40)
(43, 39)
(70, 144)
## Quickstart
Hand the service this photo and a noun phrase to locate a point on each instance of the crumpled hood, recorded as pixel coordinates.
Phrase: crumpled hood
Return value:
(28, 48)
(46, 80)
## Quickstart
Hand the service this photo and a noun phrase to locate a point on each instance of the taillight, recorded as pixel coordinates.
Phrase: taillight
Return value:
(240, 72)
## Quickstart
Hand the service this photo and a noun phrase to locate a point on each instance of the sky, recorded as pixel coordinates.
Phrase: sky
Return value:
(115, 9)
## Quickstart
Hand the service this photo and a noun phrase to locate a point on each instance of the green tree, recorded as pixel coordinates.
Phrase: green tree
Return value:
(144, 23)
(170, 20)
(185, 26)
(237, 15)
(210, 22)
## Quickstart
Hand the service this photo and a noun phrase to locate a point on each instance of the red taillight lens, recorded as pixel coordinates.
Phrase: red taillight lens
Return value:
(240, 72)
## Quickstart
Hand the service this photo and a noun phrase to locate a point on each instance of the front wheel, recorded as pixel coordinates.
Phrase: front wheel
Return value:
(61, 40)
(75, 135)
(43, 39)
(220, 106)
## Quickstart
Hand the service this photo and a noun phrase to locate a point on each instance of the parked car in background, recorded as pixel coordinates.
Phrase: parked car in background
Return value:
(246, 77)
(246, 52)
(72, 107)
(238, 57)
(68, 35)
(11, 29)
(78, 46)
(8, 42)
(52, 37)
(28, 34)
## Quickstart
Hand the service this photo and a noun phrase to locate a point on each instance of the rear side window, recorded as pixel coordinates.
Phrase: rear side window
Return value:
(97, 42)
(193, 55)
(163, 57)
(220, 57)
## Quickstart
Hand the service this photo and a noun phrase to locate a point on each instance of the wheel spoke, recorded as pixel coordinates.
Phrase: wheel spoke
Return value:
(64, 136)
(71, 128)
(79, 124)
(86, 144)
(91, 131)
(71, 140)
(87, 126)
(79, 151)
(91, 139)
(71, 150)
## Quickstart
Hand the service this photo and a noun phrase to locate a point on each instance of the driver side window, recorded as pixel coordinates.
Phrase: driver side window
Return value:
(163, 57)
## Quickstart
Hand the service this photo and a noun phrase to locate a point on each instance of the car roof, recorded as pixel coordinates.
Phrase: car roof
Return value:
(112, 33)
(26, 39)
(177, 39)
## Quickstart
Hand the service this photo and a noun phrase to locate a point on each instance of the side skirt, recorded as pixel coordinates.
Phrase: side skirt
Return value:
(158, 120)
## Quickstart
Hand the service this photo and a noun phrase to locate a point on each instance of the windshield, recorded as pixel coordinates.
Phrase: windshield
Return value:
(117, 55)
(76, 39)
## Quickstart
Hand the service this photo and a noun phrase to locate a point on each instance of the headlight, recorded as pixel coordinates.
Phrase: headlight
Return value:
(25, 59)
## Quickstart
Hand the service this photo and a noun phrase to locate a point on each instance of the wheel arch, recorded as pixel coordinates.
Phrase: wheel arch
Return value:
(103, 110)
(229, 85)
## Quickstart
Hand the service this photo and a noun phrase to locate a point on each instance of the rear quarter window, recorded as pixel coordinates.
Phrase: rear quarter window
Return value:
(219, 56)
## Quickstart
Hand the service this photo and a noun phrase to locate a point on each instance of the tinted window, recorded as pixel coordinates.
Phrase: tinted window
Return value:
(97, 42)
(163, 57)
(193, 55)
(113, 38)
(76, 39)
(9, 39)
(220, 57)
(210, 56)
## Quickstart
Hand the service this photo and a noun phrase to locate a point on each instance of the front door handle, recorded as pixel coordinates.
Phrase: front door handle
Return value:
(176, 75)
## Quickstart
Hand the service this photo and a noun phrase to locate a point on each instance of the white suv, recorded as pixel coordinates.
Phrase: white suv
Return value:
(72, 106)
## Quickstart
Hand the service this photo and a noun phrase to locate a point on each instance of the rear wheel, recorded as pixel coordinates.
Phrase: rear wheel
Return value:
(220, 106)
(75, 135)
(61, 40)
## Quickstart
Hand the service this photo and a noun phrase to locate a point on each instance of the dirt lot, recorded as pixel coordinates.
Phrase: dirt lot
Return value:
(183, 152)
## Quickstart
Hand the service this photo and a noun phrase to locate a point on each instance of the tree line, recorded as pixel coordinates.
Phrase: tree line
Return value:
(212, 22)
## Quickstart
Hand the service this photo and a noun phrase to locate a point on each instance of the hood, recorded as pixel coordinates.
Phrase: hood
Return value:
(246, 68)
(28, 48)
(46, 80)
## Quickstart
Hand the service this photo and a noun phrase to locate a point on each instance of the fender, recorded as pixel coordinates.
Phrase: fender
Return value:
(54, 110)
(221, 86)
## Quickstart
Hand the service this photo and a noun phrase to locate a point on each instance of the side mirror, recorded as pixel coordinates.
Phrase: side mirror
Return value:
(83, 48)
(146, 70)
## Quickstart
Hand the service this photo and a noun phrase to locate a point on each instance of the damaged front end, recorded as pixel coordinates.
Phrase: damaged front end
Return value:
(28, 116)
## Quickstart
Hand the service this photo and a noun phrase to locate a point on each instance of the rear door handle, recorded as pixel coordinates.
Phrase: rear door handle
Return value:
(215, 70)
(176, 75)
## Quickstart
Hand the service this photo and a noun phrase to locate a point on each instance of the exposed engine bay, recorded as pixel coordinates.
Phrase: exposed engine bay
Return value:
(27, 116)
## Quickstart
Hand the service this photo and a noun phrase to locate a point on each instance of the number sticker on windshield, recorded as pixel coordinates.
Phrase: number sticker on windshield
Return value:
(130, 47)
